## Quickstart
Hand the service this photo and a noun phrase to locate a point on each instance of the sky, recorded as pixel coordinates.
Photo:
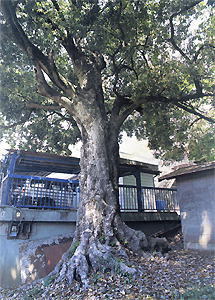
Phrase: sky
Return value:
(3, 147)
(130, 148)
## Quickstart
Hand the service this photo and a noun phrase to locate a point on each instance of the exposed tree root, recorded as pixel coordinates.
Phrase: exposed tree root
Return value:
(94, 254)
(91, 254)
(137, 241)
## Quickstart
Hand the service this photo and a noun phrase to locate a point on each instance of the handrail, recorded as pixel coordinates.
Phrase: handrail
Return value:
(42, 178)
(148, 187)
(40, 192)
(150, 199)
(45, 192)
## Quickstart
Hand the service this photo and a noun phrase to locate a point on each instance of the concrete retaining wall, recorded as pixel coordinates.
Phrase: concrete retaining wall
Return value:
(30, 256)
(44, 235)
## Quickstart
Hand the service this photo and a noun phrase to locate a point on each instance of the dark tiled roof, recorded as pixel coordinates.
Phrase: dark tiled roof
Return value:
(192, 168)
(37, 162)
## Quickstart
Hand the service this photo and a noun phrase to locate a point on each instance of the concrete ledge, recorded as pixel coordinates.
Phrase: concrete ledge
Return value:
(8, 214)
(149, 216)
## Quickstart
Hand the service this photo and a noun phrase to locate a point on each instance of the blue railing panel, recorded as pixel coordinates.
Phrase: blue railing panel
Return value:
(42, 192)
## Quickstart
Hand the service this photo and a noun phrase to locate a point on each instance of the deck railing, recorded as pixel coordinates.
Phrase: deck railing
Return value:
(40, 192)
(150, 199)
(52, 193)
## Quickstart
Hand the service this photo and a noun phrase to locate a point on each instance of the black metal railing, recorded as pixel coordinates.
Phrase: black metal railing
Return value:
(44, 192)
(150, 199)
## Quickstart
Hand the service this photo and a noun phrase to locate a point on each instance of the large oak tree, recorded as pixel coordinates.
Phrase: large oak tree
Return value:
(99, 64)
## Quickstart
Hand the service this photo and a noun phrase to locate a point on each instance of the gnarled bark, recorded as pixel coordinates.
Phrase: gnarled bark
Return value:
(101, 236)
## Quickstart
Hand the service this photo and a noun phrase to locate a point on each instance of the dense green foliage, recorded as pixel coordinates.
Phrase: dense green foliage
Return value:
(159, 54)
(30, 128)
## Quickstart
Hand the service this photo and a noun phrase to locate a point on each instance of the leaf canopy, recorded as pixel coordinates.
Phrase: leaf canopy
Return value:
(155, 54)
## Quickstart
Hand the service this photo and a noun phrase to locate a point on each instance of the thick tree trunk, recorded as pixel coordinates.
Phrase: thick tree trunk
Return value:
(100, 235)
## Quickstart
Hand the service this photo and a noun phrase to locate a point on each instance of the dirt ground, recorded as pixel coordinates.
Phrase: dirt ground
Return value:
(180, 274)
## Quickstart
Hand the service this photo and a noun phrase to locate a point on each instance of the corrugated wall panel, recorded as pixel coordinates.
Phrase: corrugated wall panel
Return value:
(129, 180)
(147, 180)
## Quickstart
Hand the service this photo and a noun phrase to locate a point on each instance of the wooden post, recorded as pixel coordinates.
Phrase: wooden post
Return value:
(140, 200)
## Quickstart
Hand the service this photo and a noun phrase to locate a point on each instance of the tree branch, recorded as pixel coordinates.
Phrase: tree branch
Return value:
(179, 103)
(122, 108)
(46, 90)
(87, 65)
(44, 107)
(55, 108)
(126, 112)
(172, 30)
(71, 120)
(117, 105)
(194, 112)
(196, 77)
(195, 121)
(57, 7)
(194, 96)
(46, 63)
(185, 8)
(43, 88)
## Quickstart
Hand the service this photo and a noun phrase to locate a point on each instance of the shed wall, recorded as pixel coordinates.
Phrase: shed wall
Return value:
(196, 194)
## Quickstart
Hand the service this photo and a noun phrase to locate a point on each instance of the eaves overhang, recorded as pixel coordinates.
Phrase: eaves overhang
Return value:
(191, 169)
(39, 163)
